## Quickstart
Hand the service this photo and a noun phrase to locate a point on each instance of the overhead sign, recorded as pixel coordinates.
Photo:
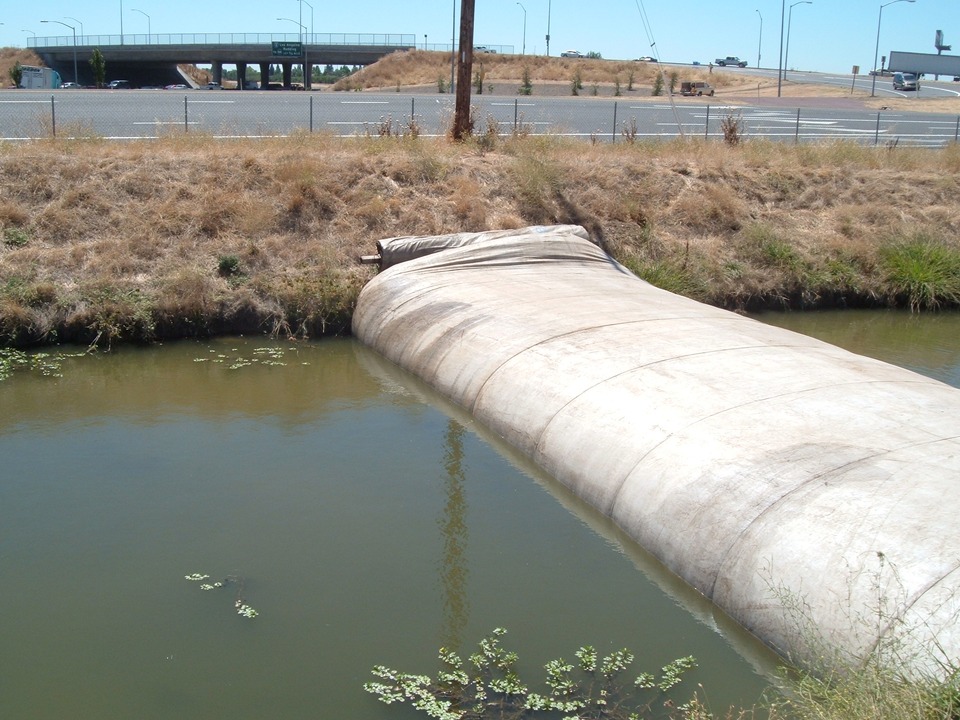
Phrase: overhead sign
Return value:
(287, 49)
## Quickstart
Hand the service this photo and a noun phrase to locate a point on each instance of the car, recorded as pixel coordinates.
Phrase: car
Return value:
(881, 72)
(730, 61)
(696, 88)
(70, 86)
(212, 86)
(571, 54)
(178, 86)
(483, 50)
(905, 81)
(119, 85)
(646, 58)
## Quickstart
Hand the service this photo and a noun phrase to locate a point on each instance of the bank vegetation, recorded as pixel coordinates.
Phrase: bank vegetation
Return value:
(191, 236)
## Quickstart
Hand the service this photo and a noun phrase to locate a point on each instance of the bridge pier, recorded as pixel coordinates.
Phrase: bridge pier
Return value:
(217, 72)
(264, 75)
(241, 75)
(287, 74)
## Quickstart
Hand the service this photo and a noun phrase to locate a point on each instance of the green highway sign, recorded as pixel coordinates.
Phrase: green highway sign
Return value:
(287, 49)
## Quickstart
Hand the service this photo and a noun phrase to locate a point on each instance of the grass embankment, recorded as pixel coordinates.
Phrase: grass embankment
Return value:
(189, 236)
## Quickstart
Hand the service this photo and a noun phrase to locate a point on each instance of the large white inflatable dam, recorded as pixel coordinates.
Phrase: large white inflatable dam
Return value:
(812, 494)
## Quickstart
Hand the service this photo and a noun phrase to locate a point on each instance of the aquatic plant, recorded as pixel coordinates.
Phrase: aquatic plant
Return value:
(488, 685)
(243, 610)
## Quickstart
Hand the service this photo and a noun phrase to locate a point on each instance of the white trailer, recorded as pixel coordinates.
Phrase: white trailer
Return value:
(39, 78)
(927, 63)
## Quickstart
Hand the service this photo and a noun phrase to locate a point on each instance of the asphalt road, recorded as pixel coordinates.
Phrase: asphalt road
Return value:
(131, 114)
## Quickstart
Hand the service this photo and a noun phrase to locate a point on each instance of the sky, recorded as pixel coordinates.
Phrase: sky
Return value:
(824, 35)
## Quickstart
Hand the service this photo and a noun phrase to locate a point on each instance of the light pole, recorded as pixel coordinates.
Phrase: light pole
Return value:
(760, 41)
(876, 52)
(524, 27)
(786, 53)
(148, 22)
(453, 49)
(121, 22)
(548, 28)
(783, 4)
(76, 77)
(302, 28)
(307, 75)
(78, 23)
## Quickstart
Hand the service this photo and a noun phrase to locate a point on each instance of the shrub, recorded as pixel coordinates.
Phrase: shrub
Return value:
(921, 273)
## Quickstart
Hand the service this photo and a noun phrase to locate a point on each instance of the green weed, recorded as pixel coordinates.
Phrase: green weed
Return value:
(921, 272)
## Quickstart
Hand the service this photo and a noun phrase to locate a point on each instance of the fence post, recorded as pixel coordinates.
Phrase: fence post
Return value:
(876, 134)
(311, 113)
(516, 114)
(186, 116)
(706, 126)
(412, 111)
(956, 133)
(796, 134)
(614, 138)
(53, 116)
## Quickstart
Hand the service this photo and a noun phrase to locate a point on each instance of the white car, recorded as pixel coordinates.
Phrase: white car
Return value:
(572, 53)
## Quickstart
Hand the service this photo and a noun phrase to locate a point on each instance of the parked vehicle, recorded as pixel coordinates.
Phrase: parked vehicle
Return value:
(119, 85)
(730, 60)
(178, 86)
(696, 88)
(212, 86)
(572, 54)
(71, 86)
(905, 81)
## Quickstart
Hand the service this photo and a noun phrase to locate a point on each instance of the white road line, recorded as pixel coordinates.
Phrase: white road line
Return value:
(364, 102)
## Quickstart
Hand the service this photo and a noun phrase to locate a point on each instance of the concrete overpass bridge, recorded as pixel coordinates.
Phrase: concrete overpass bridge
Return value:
(152, 59)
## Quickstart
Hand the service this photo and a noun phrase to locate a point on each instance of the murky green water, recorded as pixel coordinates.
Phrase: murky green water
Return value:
(369, 527)
(928, 344)
(370, 523)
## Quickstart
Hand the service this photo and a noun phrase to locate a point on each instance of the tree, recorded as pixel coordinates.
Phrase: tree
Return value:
(16, 73)
(99, 67)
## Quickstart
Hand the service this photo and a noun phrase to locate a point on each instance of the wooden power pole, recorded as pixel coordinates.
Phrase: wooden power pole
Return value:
(462, 127)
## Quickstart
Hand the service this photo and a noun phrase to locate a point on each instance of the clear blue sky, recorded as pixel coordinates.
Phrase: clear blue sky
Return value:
(827, 35)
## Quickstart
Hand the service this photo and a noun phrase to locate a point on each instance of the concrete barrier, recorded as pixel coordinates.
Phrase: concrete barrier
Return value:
(811, 493)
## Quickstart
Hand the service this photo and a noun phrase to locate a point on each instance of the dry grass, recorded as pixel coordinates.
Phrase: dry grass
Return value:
(10, 57)
(188, 235)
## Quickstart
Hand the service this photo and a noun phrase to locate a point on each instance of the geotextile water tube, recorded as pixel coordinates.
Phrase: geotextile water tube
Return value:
(811, 493)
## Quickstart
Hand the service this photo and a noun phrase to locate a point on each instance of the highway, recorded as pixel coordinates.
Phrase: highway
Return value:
(133, 114)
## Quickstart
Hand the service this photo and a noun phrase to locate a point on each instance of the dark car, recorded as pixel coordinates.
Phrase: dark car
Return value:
(119, 85)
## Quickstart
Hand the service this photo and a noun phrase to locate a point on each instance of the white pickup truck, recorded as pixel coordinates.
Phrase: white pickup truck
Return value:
(730, 60)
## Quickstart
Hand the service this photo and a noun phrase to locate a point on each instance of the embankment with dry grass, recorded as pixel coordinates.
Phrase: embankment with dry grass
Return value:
(191, 236)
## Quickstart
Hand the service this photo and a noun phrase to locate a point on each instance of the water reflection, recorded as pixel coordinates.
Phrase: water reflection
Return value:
(453, 530)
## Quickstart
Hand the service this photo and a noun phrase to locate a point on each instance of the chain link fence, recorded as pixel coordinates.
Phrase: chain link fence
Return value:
(127, 115)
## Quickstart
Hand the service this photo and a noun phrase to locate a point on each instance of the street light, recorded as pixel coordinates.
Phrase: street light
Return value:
(78, 23)
(302, 28)
(524, 27)
(783, 4)
(307, 76)
(876, 52)
(548, 28)
(760, 41)
(76, 77)
(148, 22)
(786, 54)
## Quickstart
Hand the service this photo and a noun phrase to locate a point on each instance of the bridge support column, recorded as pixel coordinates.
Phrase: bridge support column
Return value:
(264, 75)
(241, 75)
(287, 72)
(217, 72)
(307, 75)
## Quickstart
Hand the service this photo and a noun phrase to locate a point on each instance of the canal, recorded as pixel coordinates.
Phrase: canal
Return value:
(363, 519)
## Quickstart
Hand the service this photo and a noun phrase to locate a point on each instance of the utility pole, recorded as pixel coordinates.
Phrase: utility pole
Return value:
(461, 121)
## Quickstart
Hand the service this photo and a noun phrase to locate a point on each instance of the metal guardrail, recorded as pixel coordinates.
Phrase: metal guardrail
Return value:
(374, 39)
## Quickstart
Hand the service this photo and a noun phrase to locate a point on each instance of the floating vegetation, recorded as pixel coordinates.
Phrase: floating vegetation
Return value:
(47, 364)
(237, 582)
(266, 356)
(488, 685)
